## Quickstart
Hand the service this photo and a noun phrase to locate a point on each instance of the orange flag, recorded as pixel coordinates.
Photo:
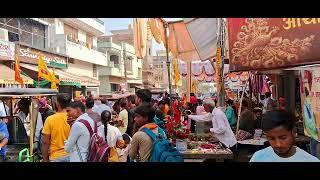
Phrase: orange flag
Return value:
(17, 74)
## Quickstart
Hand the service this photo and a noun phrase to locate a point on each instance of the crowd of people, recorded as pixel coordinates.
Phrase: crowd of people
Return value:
(64, 126)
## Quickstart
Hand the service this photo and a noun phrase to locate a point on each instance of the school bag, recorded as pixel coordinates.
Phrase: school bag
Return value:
(98, 149)
(163, 150)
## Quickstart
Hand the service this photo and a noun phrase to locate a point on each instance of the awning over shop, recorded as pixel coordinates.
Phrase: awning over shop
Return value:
(83, 80)
(134, 81)
(7, 76)
(65, 78)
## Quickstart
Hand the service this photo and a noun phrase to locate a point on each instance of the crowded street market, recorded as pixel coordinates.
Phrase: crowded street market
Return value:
(218, 90)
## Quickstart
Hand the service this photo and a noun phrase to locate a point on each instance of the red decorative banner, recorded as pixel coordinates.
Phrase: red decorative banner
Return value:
(273, 43)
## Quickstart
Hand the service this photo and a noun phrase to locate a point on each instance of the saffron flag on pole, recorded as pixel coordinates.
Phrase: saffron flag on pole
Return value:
(54, 81)
(17, 75)
(43, 71)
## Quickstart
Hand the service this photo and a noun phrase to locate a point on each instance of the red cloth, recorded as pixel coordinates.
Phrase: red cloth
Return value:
(193, 100)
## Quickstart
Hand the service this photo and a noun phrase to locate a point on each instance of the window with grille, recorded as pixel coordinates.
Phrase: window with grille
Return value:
(25, 30)
(115, 60)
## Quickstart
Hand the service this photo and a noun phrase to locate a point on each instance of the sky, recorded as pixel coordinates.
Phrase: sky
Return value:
(122, 23)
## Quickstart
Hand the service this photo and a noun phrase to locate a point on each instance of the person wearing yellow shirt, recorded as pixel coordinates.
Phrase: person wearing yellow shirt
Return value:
(123, 116)
(56, 131)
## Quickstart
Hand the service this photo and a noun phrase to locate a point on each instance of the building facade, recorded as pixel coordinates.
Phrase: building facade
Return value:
(161, 72)
(68, 46)
(124, 71)
(126, 35)
(26, 37)
(77, 38)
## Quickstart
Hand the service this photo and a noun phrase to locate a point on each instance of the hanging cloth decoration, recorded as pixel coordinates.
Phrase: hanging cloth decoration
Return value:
(140, 36)
(17, 70)
(176, 73)
(157, 30)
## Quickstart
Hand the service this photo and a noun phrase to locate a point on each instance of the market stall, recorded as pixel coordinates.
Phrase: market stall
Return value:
(206, 147)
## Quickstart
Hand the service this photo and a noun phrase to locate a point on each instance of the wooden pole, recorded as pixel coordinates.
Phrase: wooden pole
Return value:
(220, 65)
(239, 110)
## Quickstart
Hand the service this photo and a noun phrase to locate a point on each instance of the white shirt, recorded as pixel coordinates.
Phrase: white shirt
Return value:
(39, 126)
(268, 155)
(3, 111)
(113, 134)
(99, 108)
(79, 135)
(221, 128)
(201, 117)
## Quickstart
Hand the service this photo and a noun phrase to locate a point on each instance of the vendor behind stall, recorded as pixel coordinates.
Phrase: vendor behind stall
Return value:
(221, 128)
(208, 106)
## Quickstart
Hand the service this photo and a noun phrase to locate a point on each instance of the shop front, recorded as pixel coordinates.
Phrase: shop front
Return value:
(7, 74)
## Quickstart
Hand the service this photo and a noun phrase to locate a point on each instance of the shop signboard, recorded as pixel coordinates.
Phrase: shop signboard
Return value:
(30, 55)
(310, 101)
(273, 43)
(6, 50)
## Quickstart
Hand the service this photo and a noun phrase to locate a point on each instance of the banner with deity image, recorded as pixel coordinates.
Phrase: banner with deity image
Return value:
(310, 101)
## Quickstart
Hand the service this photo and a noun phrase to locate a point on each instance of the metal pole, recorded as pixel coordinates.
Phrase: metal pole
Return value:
(168, 65)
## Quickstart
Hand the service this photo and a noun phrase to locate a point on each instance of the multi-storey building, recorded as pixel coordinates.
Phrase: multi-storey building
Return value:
(77, 38)
(68, 45)
(124, 71)
(126, 35)
(26, 37)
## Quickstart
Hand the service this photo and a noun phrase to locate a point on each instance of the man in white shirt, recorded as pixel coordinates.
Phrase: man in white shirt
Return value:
(221, 127)
(208, 106)
(78, 142)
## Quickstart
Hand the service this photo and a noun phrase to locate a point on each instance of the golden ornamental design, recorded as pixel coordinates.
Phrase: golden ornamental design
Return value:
(257, 46)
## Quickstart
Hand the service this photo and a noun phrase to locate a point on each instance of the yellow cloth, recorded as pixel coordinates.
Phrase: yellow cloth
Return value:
(177, 77)
(43, 71)
(194, 86)
(157, 30)
(55, 81)
(113, 155)
(123, 116)
(140, 36)
(58, 129)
